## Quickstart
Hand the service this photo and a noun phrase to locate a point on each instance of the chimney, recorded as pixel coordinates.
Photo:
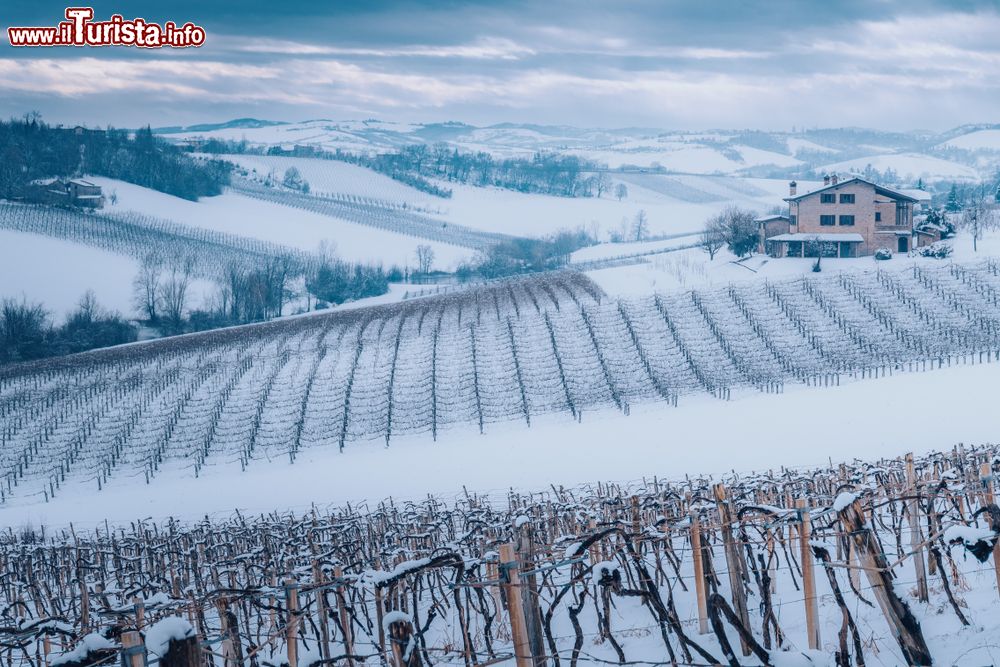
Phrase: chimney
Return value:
(834, 179)
(791, 188)
(826, 179)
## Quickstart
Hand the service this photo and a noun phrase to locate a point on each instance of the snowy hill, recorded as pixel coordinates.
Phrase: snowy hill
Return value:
(730, 152)
(513, 351)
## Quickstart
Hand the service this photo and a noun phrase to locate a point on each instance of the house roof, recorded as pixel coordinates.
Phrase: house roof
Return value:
(919, 195)
(769, 218)
(804, 237)
(885, 192)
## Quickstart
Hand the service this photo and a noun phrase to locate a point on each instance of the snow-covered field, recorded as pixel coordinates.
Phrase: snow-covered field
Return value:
(333, 177)
(57, 273)
(245, 216)
(979, 140)
(38, 268)
(909, 166)
(674, 204)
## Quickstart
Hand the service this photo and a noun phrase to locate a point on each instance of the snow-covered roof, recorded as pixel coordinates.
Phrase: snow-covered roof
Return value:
(897, 232)
(919, 195)
(805, 237)
(80, 181)
(885, 192)
(769, 218)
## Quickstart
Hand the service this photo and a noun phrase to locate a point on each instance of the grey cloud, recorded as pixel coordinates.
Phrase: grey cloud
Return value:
(668, 64)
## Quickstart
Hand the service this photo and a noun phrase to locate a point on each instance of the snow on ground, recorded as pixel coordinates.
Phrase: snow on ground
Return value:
(978, 140)
(690, 268)
(332, 135)
(703, 435)
(57, 273)
(333, 176)
(615, 250)
(909, 166)
(684, 158)
(796, 144)
(673, 204)
(236, 214)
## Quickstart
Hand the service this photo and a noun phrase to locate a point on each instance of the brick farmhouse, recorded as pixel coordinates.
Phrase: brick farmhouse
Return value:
(843, 218)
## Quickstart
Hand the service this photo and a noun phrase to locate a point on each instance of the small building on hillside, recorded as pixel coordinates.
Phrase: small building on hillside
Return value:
(65, 192)
(770, 226)
(845, 218)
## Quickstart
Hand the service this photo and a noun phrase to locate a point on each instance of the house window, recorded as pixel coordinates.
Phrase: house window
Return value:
(793, 220)
(827, 220)
(828, 198)
(846, 199)
(847, 221)
(878, 216)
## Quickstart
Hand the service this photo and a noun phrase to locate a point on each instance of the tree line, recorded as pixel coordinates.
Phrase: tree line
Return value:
(542, 173)
(31, 149)
(246, 292)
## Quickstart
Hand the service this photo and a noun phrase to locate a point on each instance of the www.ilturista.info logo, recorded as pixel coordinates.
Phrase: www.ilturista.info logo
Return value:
(79, 29)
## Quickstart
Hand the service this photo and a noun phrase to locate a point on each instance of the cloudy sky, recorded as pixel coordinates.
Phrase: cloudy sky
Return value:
(769, 64)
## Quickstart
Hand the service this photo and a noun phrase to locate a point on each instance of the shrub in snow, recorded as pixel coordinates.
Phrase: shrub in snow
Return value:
(936, 250)
(883, 254)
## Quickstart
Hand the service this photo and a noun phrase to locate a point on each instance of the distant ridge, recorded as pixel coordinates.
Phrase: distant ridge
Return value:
(245, 123)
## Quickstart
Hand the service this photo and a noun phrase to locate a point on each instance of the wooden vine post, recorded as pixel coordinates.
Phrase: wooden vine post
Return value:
(133, 649)
(699, 573)
(403, 654)
(636, 526)
(343, 617)
(510, 578)
(324, 628)
(291, 624)
(916, 548)
(232, 648)
(525, 548)
(901, 621)
(734, 562)
(808, 575)
(986, 475)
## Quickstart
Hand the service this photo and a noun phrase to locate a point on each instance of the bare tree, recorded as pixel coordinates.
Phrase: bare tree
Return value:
(712, 237)
(146, 287)
(640, 226)
(602, 183)
(980, 214)
(425, 258)
(621, 191)
(173, 289)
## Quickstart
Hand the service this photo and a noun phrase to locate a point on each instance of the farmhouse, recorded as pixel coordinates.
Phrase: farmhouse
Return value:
(65, 192)
(844, 218)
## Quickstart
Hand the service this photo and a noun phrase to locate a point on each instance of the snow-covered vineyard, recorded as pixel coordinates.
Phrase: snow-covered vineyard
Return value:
(890, 562)
(139, 236)
(509, 350)
(378, 214)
